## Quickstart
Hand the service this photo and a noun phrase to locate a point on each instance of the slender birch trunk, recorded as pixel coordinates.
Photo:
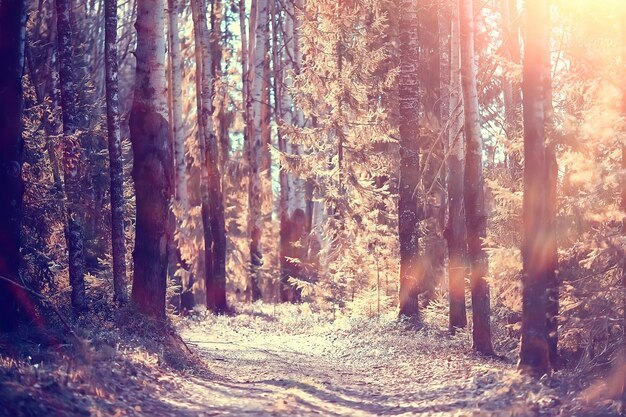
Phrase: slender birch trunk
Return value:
(72, 155)
(181, 193)
(116, 163)
(474, 185)
(153, 161)
(259, 22)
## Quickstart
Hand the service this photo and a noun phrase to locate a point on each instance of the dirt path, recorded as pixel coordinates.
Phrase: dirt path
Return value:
(262, 365)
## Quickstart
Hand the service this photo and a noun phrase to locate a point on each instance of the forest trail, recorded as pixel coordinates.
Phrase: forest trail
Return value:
(260, 365)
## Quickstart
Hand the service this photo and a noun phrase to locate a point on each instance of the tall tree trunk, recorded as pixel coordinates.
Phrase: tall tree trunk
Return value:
(551, 183)
(71, 157)
(212, 199)
(93, 174)
(511, 89)
(455, 230)
(474, 191)
(221, 94)
(254, 149)
(12, 43)
(282, 111)
(153, 160)
(411, 271)
(534, 351)
(623, 182)
(116, 163)
(181, 193)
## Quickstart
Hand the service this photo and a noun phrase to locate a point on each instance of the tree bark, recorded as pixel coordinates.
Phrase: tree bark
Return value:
(184, 297)
(455, 230)
(623, 182)
(474, 191)
(534, 351)
(153, 160)
(212, 199)
(181, 193)
(72, 155)
(12, 44)
(254, 148)
(511, 89)
(552, 177)
(411, 272)
(116, 164)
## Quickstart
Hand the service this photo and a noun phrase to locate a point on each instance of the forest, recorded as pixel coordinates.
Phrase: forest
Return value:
(312, 207)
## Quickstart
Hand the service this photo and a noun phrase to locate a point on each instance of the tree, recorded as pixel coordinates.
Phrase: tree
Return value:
(623, 182)
(12, 41)
(534, 351)
(152, 160)
(116, 164)
(551, 206)
(455, 230)
(511, 89)
(474, 185)
(256, 61)
(212, 200)
(72, 155)
(177, 105)
(408, 91)
(181, 191)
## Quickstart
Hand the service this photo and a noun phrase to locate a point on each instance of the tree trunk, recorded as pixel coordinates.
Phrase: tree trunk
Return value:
(12, 43)
(178, 132)
(220, 95)
(184, 299)
(254, 149)
(93, 175)
(153, 161)
(551, 183)
(623, 197)
(474, 191)
(212, 199)
(534, 351)
(282, 111)
(71, 157)
(511, 89)
(408, 228)
(455, 230)
(116, 163)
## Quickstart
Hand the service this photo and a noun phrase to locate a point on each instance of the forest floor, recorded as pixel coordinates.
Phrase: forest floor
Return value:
(285, 360)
